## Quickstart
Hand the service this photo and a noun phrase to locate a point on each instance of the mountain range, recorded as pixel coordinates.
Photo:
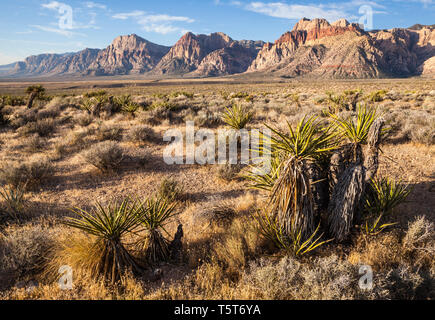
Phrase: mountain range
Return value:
(313, 49)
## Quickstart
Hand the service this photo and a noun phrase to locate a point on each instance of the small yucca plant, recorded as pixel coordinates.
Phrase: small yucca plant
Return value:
(130, 108)
(109, 224)
(293, 242)
(384, 195)
(237, 117)
(87, 105)
(154, 215)
(14, 198)
(381, 198)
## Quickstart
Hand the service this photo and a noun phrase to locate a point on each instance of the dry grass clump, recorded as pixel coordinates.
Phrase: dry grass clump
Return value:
(43, 128)
(392, 249)
(141, 134)
(31, 172)
(289, 279)
(214, 211)
(23, 250)
(84, 119)
(108, 131)
(171, 190)
(105, 156)
(229, 172)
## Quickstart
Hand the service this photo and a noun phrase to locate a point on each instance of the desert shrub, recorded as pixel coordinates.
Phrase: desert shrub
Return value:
(32, 172)
(8, 100)
(43, 127)
(377, 96)
(93, 94)
(288, 279)
(170, 190)
(23, 250)
(84, 120)
(423, 135)
(142, 133)
(205, 118)
(34, 143)
(214, 211)
(105, 156)
(108, 131)
(22, 117)
(177, 94)
(229, 172)
(419, 242)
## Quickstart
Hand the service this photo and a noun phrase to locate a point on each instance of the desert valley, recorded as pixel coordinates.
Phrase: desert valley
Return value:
(91, 209)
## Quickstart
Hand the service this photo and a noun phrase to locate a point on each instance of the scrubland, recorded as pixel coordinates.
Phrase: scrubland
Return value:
(79, 146)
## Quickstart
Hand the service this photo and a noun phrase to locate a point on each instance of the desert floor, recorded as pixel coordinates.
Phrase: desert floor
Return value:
(222, 258)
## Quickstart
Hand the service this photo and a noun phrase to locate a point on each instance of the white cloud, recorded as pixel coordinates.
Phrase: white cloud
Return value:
(62, 32)
(92, 5)
(125, 16)
(159, 23)
(296, 11)
(54, 5)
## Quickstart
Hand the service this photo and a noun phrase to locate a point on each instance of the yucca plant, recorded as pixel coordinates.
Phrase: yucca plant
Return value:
(154, 215)
(130, 108)
(14, 198)
(356, 131)
(375, 227)
(384, 195)
(291, 196)
(293, 242)
(262, 180)
(237, 117)
(110, 224)
(87, 105)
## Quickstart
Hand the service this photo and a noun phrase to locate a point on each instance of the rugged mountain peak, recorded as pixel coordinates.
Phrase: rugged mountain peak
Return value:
(128, 54)
(187, 54)
(342, 23)
(307, 24)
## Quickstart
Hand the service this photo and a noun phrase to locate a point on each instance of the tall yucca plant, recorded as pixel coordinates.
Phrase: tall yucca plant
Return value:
(154, 215)
(237, 117)
(109, 225)
(356, 131)
(291, 196)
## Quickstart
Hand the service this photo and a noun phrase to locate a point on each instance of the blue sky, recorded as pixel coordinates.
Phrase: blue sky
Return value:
(30, 27)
